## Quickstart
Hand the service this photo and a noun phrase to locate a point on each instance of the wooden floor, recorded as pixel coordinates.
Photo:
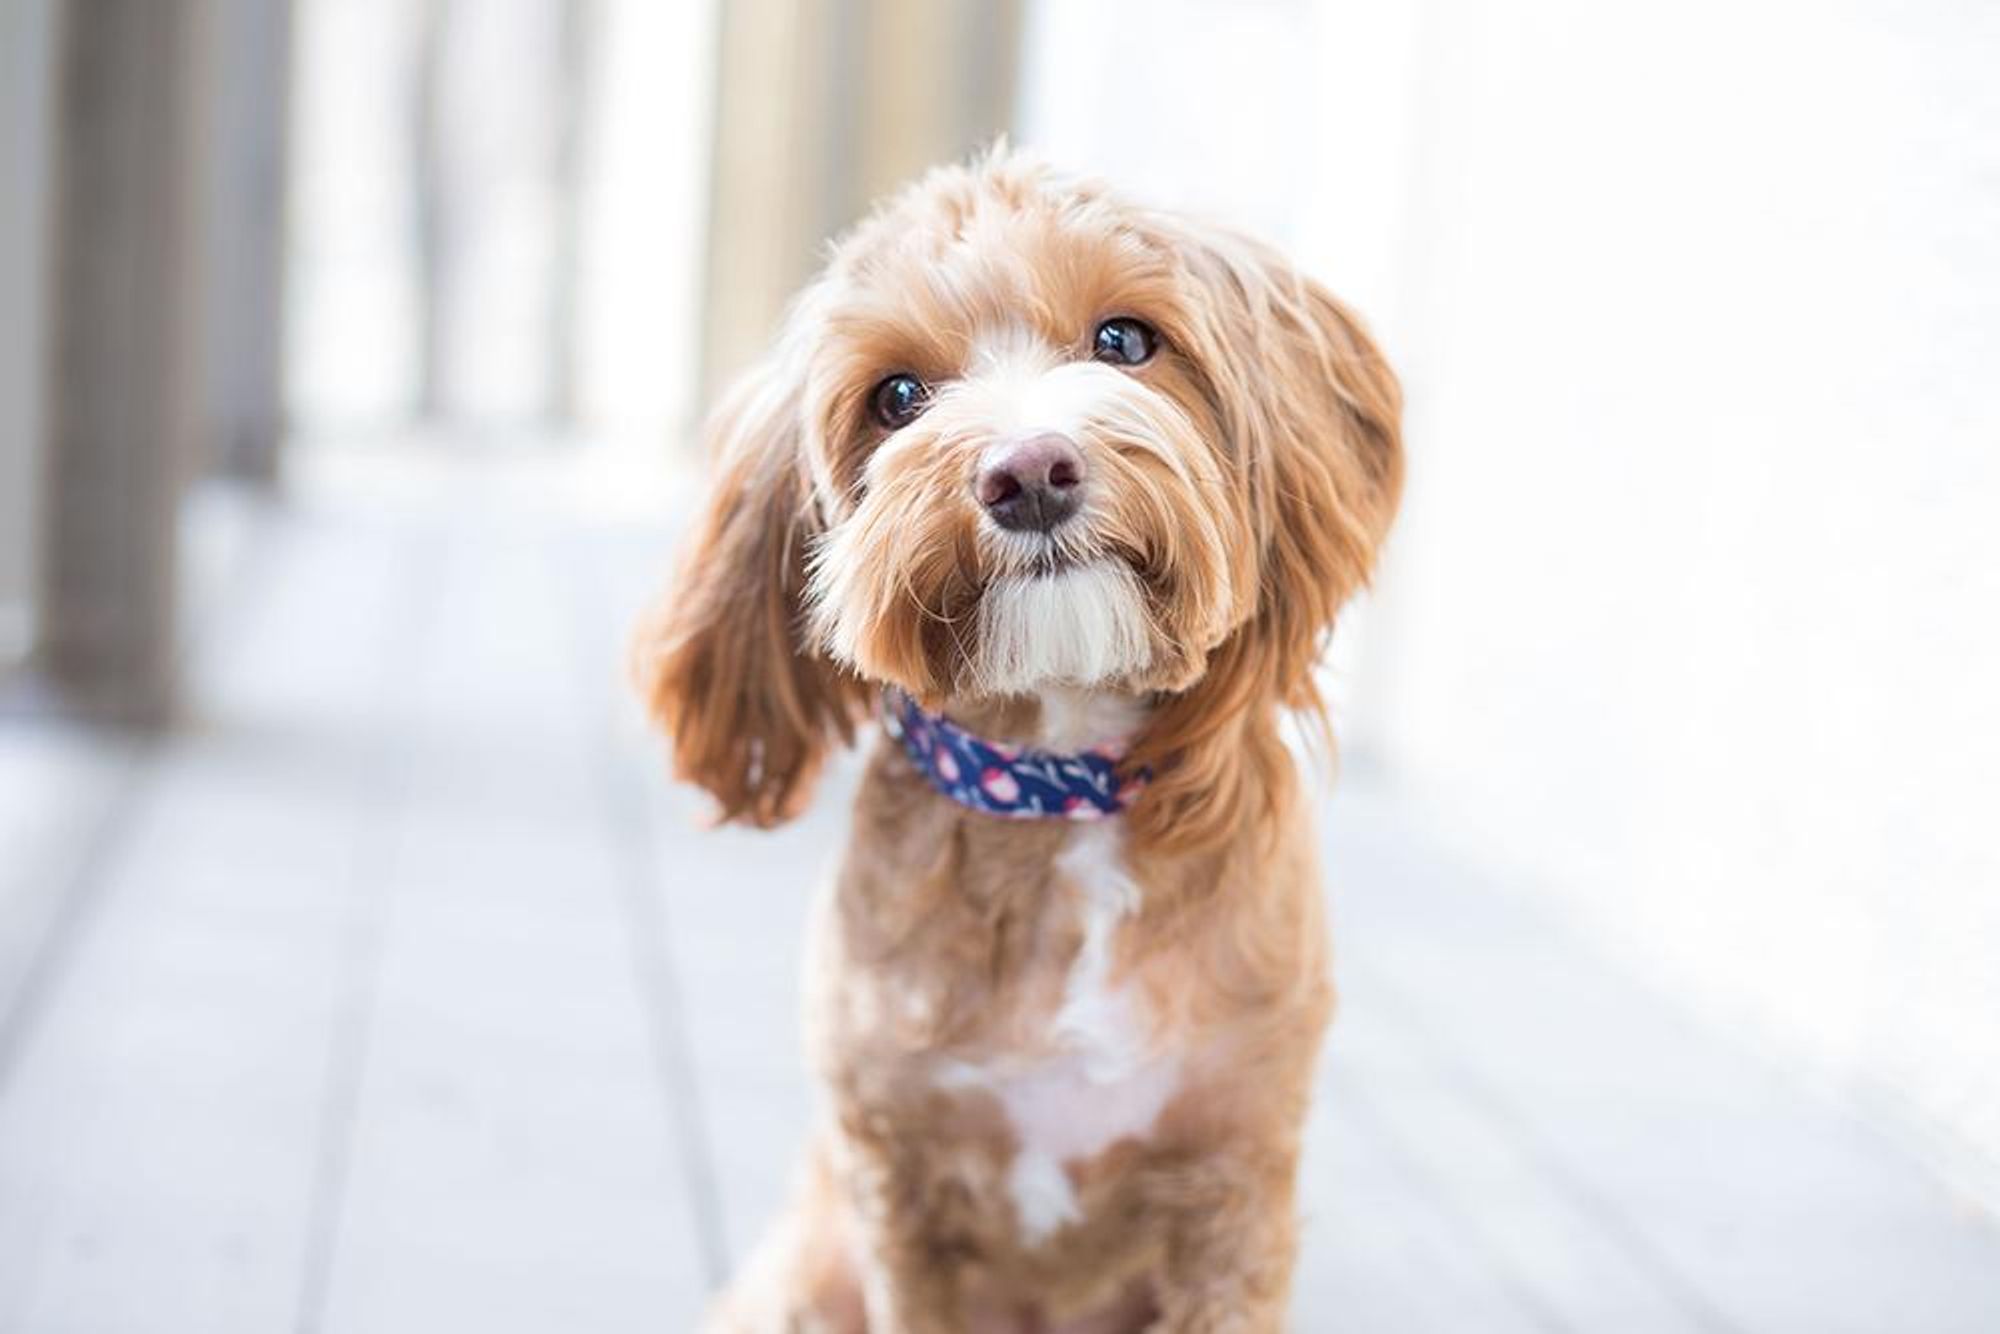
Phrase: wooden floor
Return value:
(397, 991)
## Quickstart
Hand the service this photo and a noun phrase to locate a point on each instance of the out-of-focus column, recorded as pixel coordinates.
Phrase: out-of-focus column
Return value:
(248, 62)
(27, 50)
(123, 362)
(821, 105)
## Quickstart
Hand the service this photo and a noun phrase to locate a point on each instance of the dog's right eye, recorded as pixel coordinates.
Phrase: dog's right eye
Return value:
(1124, 342)
(899, 400)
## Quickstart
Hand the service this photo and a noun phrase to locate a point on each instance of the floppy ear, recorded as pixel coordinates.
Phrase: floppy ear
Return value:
(720, 661)
(1313, 414)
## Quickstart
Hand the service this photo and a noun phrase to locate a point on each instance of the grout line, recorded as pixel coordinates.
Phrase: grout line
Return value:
(384, 778)
(1870, 1109)
(1611, 1222)
(79, 899)
(1421, 1183)
(76, 907)
(649, 929)
(652, 964)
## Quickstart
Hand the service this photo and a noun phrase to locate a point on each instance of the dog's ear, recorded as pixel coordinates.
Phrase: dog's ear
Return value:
(1310, 400)
(750, 710)
(1313, 414)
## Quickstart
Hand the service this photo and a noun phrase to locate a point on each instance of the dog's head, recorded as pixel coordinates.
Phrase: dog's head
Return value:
(1021, 434)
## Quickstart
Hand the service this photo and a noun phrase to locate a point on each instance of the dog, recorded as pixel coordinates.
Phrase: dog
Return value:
(1068, 492)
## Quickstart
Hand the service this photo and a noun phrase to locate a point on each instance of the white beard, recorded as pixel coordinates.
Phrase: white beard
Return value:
(1083, 626)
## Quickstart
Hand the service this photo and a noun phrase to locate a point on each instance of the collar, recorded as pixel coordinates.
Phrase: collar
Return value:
(1013, 782)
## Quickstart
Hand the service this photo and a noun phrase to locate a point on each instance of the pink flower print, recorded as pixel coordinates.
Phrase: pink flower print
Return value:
(947, 767)
(1076, 808)
(1000, 785)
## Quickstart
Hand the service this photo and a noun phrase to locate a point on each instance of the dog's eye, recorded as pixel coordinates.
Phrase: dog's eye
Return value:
(1124, 342)
(899, 400)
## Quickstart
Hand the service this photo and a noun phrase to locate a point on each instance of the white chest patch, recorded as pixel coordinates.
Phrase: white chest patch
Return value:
(1105, 1081)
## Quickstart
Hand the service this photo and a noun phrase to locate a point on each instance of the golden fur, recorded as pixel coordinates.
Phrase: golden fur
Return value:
(983, 993)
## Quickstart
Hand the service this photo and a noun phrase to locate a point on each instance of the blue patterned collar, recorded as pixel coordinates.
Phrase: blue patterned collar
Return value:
(1013, 782)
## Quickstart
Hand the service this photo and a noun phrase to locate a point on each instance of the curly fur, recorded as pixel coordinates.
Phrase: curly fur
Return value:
(1068, 1069)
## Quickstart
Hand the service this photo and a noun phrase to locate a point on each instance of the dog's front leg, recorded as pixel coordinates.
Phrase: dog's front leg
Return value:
(911, 1280)
(1230, 1249)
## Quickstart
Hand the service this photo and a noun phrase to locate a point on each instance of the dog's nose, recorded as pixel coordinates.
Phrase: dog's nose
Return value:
(1031, 485)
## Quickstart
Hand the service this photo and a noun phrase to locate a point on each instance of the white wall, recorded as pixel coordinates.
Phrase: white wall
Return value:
(27, 50)
(1696, 614)
(1692, 621)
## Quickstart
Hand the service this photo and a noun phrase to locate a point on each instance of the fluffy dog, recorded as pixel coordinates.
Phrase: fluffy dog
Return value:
(1071, 491)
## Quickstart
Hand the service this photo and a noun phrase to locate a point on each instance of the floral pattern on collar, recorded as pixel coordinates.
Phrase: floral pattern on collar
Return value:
(1012, 782)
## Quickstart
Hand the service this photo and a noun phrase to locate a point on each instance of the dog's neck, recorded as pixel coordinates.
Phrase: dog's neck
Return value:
(1060, 718)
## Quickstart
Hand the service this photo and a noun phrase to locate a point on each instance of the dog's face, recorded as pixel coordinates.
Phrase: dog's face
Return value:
(1020, 434)
(1013, 429)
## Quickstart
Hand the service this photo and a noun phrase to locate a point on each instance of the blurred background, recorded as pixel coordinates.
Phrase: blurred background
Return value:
(359, 968)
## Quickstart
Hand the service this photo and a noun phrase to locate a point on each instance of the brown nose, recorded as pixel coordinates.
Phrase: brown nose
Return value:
(1031, 485)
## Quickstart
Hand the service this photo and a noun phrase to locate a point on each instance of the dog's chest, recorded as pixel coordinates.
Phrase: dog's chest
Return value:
(1096, 1072)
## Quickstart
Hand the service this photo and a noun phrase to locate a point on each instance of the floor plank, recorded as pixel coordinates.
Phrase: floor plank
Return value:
(65, 795)
(512, 1166)
(157, 1141)
(1753, 1201)
(734, 903)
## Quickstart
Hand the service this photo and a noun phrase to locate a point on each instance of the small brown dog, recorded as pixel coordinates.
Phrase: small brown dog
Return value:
(1072, 490)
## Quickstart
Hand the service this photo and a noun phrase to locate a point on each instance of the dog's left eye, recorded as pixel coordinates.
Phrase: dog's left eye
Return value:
(1124, 342)
(899, 400)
